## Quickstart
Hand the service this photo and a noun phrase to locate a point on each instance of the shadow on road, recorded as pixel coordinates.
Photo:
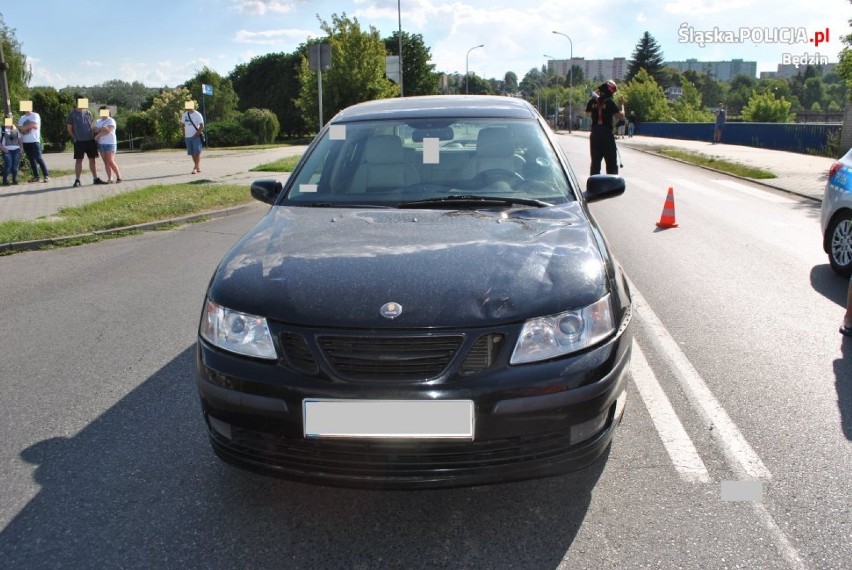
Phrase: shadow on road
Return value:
(843, 384)
(139, 487)
(827, 283)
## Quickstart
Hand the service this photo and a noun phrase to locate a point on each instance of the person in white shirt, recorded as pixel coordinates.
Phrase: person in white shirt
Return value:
(30, 127)
(193, 130)
(107, 143)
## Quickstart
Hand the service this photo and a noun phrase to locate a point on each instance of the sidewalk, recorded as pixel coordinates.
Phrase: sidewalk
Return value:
(32, 200)
(799, 174)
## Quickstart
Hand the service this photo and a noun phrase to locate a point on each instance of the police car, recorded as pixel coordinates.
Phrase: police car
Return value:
(836, 216)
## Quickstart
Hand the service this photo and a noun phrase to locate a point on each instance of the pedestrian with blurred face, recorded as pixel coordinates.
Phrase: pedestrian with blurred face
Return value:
(107, 140)
(10, 145)
(81, 128)
(29, 124)
(193, 132)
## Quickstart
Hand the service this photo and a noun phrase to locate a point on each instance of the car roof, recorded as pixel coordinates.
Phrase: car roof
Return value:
(443, 106)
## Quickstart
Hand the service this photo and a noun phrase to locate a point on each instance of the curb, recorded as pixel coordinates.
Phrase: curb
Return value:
(46, 243)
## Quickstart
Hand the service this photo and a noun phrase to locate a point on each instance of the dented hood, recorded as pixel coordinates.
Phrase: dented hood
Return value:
(324, 267)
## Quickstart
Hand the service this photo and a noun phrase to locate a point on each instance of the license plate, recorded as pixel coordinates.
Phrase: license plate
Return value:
(417, 419)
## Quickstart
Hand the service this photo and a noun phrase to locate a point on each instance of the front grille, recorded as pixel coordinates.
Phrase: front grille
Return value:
(387, 459)
(297, 353)
(483, 354)
(390, 358)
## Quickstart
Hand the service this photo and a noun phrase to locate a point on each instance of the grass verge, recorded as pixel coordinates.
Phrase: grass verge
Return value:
(715, 163)
(286, 164)
(150, 204)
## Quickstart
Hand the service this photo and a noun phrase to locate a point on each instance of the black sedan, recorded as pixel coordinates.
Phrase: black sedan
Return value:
(427, 303)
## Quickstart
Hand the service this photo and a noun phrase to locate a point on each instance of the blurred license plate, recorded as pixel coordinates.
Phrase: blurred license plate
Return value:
(389, 418)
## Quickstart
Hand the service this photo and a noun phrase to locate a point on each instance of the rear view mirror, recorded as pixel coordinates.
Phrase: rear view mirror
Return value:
(266, 190)
(602, 186)
(444, 134)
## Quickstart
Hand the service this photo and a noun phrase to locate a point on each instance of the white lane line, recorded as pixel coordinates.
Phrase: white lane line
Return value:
(741, 456)
(785, 547)
(683, 454)
(762, 194)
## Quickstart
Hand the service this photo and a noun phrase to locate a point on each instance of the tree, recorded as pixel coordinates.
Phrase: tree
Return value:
(271, 82)
(220, 106)
(844, 65)
(712, 91)
(53, 108)
(765, 108)
(128, 96)
(18, 73)
(643, 95)
(510, 82)
(475, 85)
(576, 75)
(812, 93)
(688, 108)
(165, 111)
(739, 93)
(263, 123)
(418, 75)
(357, 73)
(647, 55)
(532, 82)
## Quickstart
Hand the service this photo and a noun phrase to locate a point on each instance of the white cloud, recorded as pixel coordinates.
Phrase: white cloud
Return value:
(272, 37)
(91, 63)
(261, 7)
(700, 7)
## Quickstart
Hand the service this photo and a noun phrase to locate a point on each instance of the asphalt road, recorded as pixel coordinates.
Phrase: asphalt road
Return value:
(105, 462)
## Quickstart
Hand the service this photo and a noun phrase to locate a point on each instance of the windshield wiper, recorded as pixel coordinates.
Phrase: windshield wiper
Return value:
(334, 205)
(474, 201)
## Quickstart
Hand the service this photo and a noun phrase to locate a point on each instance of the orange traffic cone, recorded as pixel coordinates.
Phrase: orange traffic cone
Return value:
(667, 220)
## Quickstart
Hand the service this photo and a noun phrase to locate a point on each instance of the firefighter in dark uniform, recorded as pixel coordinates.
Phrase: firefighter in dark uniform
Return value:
(603, 111)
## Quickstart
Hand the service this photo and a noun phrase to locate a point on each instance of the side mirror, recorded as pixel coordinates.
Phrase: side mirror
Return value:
(602, 186)
(266, 190)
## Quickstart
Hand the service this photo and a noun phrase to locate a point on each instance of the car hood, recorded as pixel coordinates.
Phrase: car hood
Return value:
(324, 267)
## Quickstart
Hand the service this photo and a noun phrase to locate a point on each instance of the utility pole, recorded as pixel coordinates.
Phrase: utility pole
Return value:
(399, 35)
(4, 83)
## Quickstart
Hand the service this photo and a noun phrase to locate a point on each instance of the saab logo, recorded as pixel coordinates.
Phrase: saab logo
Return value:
(391, 310)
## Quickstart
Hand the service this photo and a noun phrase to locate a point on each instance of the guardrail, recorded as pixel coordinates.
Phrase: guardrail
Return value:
(805, 138)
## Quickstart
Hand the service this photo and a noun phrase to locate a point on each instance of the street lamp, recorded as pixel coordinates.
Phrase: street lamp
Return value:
(466, 68)
(399, 13)
(570, 80)
(556, 112)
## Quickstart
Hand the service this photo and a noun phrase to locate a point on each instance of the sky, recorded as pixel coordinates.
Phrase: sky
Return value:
(165, 43)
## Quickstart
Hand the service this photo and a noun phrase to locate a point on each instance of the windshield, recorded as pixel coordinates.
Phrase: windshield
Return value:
(445, 163)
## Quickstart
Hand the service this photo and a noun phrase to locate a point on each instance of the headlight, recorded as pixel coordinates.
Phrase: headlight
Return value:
(236, 332)
(558, 335)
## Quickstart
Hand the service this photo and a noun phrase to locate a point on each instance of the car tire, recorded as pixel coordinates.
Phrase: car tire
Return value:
(838, 242)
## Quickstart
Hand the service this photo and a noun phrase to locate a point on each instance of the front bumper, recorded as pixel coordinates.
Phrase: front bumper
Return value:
(531, 421)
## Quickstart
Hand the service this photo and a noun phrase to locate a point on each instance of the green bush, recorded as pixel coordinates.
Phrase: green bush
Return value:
(221, 134)
(263, 123)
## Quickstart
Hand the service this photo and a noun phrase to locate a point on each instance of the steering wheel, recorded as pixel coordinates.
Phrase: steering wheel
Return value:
(497, 174)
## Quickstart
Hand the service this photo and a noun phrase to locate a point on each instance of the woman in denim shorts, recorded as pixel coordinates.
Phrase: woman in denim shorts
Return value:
(107, 143)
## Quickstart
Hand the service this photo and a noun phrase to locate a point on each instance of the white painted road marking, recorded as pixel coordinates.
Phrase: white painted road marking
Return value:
(680, 448)
(742, 458)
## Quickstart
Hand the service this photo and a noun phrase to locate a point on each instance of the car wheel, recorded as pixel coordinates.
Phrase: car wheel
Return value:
(839, 241)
